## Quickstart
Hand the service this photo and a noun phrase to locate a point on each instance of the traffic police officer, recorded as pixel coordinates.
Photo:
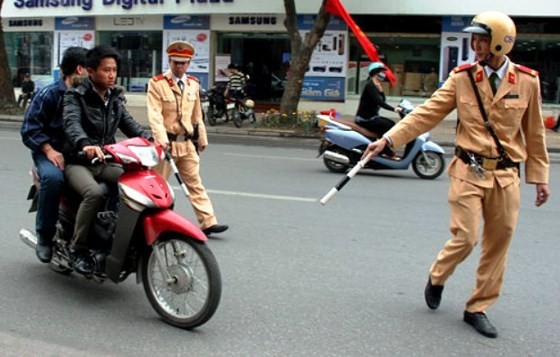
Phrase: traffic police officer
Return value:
(175, 117)
(484, 174)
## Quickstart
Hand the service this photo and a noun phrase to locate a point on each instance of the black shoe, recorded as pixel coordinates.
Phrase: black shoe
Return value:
(43, 250)
(217, 228)
(481, 323)
(82, 263)
(432, 294)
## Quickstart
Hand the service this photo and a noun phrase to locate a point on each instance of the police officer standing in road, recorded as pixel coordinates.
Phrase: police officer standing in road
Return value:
(499, 106)
(175, 117)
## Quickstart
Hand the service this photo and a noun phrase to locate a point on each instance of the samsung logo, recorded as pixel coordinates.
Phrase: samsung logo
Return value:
(252, 20)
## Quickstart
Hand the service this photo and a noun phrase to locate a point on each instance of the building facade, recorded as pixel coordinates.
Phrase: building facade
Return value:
(420, 40)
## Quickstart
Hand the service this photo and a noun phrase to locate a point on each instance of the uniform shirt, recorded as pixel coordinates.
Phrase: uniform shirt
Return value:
(167, 105)
(514, 112)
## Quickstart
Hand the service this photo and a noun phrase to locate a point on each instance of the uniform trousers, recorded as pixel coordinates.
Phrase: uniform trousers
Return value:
(499, 208)
(188, 163)
(85, 180)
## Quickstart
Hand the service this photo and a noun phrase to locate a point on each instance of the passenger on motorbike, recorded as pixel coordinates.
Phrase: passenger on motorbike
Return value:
(92, 112)
(371, 100)
(42, 132)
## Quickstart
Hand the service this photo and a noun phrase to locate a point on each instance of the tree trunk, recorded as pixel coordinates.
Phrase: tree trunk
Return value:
(301, 49)
(7, 97)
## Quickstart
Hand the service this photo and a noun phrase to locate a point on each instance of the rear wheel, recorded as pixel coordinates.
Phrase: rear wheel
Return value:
(184, 285)
(428, 165)
(335, 166)
(236, 116)
(210, 115)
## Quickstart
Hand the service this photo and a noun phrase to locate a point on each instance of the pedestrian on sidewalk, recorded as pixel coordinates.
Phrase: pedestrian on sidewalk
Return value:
(492, 139)
(175, 116)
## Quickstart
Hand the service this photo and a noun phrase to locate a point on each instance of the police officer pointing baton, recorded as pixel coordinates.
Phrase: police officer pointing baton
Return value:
(500, 127)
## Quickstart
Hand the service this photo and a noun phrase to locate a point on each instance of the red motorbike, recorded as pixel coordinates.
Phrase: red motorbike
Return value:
(143, 235)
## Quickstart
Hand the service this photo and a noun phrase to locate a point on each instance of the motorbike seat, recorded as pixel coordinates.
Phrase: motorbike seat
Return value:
(355, 127)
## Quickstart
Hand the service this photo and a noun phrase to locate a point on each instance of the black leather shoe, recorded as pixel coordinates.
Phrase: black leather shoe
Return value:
(217, 228)
(481, 323)
(82, 263)
(432, 294)
(43, 250)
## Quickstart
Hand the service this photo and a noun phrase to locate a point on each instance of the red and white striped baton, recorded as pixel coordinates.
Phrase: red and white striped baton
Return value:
(346, 178)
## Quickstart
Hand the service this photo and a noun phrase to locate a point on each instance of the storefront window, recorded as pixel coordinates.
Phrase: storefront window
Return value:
(412, 57)
(262, 56)
(141, 52)
(29, 52)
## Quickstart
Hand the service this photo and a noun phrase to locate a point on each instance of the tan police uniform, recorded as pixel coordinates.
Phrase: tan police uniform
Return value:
(172, 115)
(515, 114)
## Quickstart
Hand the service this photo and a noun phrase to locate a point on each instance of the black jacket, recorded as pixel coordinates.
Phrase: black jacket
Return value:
(371, 100)
(88, 121)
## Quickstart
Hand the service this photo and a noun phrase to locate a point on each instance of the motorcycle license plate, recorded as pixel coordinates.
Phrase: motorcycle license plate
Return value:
(230, 106)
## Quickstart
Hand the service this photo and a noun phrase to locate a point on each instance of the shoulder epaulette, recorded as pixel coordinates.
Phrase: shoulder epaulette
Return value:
(527, 70)
(159, 77)
(464, 67)
(193, 78)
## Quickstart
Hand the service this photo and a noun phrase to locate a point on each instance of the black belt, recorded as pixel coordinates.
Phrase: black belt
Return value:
(484, 162)
(175, 137)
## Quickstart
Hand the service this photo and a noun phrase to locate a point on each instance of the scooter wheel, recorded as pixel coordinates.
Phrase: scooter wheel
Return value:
(237, 120)
(428, 165)
(188, 292)
(210, 115)
(335, 166)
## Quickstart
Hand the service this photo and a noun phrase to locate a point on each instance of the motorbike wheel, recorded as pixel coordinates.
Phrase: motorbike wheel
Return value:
(191, 295)
(429, 168)
(58, 267)
(335, 166)
(210, 115)
(236, 116)
(253, 119)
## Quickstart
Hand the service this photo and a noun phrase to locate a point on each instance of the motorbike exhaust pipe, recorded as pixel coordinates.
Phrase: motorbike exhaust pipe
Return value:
(334, 156)
(28, 238)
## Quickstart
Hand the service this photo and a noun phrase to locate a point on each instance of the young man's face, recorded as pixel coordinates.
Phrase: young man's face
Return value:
(481, 46)
(105, 75)
(178, 68)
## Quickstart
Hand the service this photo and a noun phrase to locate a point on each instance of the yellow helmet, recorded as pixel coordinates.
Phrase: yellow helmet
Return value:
(499, 27)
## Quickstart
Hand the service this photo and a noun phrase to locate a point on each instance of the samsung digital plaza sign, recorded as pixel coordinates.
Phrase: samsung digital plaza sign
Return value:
(88, 5)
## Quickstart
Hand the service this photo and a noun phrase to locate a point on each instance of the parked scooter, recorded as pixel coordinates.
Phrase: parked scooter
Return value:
(217, 106)
(243, 109)
(342, 147)
(144, 235)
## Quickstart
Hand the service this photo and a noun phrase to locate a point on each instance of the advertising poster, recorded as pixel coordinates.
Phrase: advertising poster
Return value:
(193, 29)
(221, 73)
(455, 44)
(325, 80)
(72, 31)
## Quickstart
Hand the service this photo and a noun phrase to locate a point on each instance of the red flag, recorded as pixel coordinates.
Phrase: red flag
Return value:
(335, 7)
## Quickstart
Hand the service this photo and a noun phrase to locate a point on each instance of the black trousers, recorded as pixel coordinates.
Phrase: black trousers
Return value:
(379, 125)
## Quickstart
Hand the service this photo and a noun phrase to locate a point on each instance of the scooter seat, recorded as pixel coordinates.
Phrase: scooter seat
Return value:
(360, 129)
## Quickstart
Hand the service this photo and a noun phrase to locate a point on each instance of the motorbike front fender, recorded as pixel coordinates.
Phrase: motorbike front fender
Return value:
(159, 222)
(432, 146)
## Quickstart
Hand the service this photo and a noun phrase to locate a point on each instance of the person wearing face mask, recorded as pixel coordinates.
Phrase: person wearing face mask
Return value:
(500, 126)
(371, 101)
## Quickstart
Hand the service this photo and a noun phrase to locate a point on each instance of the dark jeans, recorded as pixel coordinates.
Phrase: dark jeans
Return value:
(51, 181)
(85, 180)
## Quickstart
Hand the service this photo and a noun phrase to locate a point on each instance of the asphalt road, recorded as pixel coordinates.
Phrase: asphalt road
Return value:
(299, 279)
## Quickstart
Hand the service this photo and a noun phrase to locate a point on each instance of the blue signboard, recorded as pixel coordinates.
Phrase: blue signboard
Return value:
(74, 23)
(186, 22)
(455, 23)
(323, 89)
